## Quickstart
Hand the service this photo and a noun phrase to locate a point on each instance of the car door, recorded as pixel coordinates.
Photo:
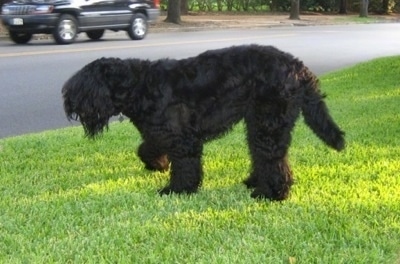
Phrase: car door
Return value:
(123, 11)
(96, 13)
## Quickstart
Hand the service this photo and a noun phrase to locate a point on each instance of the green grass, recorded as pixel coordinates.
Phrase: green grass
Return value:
(67, 199)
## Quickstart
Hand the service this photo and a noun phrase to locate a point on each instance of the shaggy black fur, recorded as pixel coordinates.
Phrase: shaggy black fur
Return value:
(178, 105)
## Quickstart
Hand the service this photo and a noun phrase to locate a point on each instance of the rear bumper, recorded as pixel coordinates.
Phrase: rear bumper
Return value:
(153, 14)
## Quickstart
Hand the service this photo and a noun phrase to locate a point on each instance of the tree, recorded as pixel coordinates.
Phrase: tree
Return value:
(294, 9)
(385, 6)
(184, 7)
(363, 8)
(343, 7)
(273, 5)
(174, 12)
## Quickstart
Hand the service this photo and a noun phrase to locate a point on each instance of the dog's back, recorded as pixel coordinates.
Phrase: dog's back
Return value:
(226, 82)
(282, 77)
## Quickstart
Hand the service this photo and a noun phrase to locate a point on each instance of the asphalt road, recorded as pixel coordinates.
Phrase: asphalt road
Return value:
(31, 76)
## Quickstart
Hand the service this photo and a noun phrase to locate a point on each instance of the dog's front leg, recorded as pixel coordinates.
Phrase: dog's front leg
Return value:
(186, 172)
(153, 157)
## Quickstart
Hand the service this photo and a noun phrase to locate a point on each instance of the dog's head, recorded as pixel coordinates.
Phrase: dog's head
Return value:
(88, 94)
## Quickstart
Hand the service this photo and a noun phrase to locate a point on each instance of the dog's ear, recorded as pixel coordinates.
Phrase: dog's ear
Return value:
(87, 97)
(119, 74)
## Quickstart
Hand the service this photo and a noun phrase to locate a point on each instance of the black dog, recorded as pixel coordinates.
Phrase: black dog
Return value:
(178, 105)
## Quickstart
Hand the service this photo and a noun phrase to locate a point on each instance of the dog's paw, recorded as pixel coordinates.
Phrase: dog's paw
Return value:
(160, 164)
(168, 190)
(165, 191)
(250, 182)
(269, 195)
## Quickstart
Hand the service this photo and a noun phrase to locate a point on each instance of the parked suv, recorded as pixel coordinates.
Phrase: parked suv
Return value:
(64, 19)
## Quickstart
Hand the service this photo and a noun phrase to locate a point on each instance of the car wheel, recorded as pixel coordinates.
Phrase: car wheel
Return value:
(20, 38)
(95, 34)
(66, 30)
(138, 27)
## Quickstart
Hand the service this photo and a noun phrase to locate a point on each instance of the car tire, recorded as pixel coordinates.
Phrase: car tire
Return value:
(138, 27)
(20, 38)
(95, 34)
(66, 30)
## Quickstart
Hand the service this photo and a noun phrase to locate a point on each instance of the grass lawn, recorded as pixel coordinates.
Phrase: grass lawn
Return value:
(67, 199)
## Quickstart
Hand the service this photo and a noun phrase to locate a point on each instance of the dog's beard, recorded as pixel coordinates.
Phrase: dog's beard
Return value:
(92, 126)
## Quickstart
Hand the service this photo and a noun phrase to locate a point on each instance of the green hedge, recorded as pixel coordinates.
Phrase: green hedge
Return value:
(375, 6)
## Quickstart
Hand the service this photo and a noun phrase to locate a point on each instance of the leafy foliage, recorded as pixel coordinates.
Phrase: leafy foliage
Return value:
(375, 6)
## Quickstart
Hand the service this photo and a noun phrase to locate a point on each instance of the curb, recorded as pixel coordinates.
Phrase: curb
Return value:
(161, 27)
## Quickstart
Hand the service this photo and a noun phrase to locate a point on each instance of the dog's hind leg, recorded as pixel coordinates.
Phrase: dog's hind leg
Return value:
(186, 170)
(269, 135)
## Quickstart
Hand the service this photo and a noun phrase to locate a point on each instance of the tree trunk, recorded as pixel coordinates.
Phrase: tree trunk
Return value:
(220, 5)
(295, 9)
(174, 12)
(343, 7)
(184, 7)
(273, 5)
(385, 6)
(363, 8)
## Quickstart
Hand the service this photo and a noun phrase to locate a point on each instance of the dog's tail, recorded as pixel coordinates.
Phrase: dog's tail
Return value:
(316, 113)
